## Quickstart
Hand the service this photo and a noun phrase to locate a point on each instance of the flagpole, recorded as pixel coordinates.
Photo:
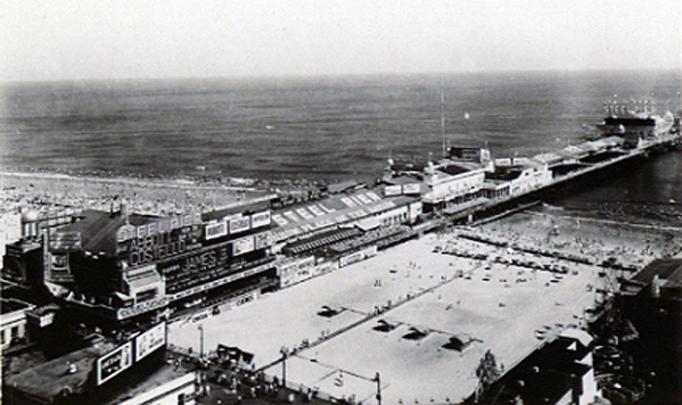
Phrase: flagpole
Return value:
(442, 113)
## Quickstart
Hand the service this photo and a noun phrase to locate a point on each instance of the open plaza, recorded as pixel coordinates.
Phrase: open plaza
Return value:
(419, 317)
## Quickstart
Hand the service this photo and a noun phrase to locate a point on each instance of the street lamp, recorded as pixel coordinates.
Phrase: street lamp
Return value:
(285, 353)
(201, 341)
(377, 378)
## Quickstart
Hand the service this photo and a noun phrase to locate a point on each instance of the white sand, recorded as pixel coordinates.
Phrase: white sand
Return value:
(629, 243)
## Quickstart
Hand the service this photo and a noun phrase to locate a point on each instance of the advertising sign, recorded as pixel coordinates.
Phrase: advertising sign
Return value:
(316, 210)
(306, 262)
(214, 231)
(392, 190)
(351, 258)
(280, 220)
(415, 209)
(305, 214)
(372, 196)
(239, 224)
(149, 341)
(59, 262)
(291, 216)
(242, 245)
(260, 219)
(369, 251)
(65, 241)
(263, 240)
(348, 202)
(141, 308)
(364, 199)
(114, 363)
(412, 188)
(158, 226)
(162, 245)
(503, 162)
(125, 232)
(324, 268)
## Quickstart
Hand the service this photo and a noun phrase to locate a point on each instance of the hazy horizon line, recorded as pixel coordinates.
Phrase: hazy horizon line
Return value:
(286, 76)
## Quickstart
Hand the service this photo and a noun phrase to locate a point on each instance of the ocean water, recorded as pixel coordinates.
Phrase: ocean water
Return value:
(326, 127)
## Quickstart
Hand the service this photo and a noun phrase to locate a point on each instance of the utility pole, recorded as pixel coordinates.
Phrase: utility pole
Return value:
(283, 350)
(377, 378)
(201, 341)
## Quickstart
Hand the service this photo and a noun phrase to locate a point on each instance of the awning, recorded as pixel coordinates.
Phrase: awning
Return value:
(368, 224)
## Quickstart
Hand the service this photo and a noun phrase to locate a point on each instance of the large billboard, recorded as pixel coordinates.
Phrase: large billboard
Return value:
(503, 162)
(263, 240)
(214, 231)
(158, 226)
(280, 220)
(242, 245)
(305, 214)
(149, 341)
(157, 246)
(392, 190)
(260, 219)
(114, 363)
(65, 241)
(239, 224)
(412, 188)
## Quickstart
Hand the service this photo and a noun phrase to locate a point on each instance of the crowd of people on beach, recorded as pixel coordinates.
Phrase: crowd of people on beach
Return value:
(586, 240)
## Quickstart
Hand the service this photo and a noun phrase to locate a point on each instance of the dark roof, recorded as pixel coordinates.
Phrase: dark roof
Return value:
(409, 165)
(98, 228)
(11, 305)
(342, 186)
(402, 180)
(629, 121)
(163, 375)
(669, 269)
(676, 277)
(453, 169)
(248, 206)
(504, 175)
(48, 379)
(547, 374)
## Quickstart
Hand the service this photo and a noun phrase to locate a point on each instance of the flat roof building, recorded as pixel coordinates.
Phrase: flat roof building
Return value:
(13, 322)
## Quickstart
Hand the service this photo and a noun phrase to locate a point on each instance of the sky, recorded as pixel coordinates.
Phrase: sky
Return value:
(98, 39)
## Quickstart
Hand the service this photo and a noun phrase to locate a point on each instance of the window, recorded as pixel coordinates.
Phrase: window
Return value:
(14, 332)
(181, 399)
(2, 334)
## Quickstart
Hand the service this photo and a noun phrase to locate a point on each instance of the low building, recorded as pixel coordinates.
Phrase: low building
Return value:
(13, 322)
(652, 302)
(167, 386)
(628, 125)
(93, 374)
(305, 221)
(558, 372)
(521, 178)
(452, 183)
(23, 263)
(63, 380)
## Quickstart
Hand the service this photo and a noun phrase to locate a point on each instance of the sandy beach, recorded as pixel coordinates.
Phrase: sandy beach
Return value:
(47, 191)
(631, 244)
(161, 196)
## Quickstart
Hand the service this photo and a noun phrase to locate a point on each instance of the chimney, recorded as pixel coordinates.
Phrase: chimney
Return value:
(655, 287)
